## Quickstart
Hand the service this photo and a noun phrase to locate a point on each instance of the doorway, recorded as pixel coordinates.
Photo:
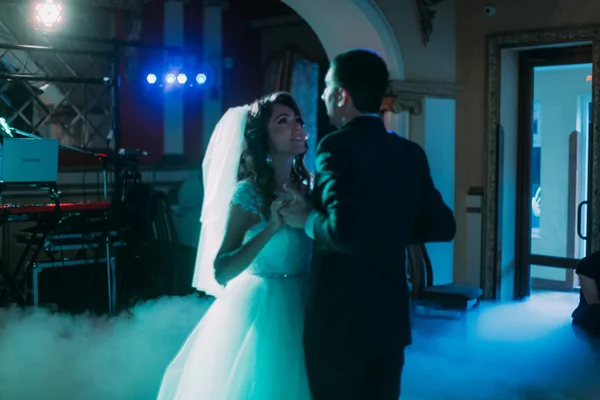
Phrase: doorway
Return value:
(555, 97)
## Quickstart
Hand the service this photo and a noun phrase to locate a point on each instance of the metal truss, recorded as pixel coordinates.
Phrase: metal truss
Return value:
(110, 4)
(57, 88)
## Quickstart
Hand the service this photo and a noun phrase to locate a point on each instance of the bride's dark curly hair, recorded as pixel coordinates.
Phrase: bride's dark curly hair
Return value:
(253, 161)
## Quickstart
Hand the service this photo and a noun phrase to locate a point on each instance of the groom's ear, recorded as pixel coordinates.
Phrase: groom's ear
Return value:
(343, 97)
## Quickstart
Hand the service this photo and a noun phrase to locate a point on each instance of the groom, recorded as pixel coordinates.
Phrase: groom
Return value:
(373, 196)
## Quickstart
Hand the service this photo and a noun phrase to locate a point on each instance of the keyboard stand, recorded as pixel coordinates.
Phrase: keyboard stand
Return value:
(97, 239)
(110, 272)
(55, 233)
(54, 194)
(16, 281)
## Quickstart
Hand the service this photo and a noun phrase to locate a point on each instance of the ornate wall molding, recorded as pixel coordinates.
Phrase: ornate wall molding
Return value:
(491, 273)
(396, 105)
(408, 96)
(413, 105)
(423, 89)
(427, 15)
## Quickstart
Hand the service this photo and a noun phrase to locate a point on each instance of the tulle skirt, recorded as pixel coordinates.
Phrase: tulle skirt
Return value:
(248, 345)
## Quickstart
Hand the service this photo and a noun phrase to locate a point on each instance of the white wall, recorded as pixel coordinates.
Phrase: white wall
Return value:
(559, 93)
(435, 62)
(474, 202)
(439, 146)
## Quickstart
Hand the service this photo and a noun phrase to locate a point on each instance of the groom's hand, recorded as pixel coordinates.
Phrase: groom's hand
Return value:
(296, 211)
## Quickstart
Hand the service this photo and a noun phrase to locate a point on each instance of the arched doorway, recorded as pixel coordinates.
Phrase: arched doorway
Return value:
(370, 29)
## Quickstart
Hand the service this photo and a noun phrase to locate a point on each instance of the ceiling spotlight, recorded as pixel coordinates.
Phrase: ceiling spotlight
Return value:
(49, 14)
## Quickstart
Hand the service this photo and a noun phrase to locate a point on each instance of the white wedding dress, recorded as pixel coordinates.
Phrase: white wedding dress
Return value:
(248, 345)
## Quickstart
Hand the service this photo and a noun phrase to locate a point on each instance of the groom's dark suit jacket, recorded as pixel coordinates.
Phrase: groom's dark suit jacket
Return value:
(375, 196)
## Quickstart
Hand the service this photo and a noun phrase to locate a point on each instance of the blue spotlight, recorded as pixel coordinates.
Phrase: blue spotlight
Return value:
(151, 78)
(170, 79)
(182, 78)
(201, 79)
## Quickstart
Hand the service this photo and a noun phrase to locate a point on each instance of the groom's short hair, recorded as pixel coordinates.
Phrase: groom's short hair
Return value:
(364, 75)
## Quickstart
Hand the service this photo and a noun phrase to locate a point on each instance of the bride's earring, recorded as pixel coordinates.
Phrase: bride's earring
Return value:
(269, 160)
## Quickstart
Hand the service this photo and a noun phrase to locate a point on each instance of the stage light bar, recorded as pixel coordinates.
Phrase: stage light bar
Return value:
(174, 79)
(49, 14)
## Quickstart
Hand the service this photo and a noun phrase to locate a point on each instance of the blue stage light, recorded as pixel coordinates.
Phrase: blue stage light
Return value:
(201, 79)
(182, 78)
(170, 79)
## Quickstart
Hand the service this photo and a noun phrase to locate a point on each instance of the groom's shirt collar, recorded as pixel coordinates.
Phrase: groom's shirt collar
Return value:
(369, 115)
(361, 120)
(360, 117)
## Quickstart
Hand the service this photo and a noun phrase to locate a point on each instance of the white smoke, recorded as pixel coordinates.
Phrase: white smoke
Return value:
(525, 351)
(516, 351)
(52, 356)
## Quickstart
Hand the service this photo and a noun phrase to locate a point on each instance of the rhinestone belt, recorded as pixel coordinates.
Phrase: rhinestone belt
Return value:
(280, 276)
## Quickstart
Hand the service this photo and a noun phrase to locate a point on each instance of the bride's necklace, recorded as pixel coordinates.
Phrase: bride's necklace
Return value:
(280, 190)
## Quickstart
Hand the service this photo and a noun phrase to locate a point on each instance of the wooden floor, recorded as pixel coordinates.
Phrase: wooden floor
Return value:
(518, 351)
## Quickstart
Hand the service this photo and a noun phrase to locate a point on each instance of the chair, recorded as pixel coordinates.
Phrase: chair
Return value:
(425, 293)
(163, 227)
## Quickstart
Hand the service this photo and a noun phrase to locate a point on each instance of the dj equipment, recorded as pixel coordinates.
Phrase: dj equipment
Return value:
(38, 212)
(26, 160)
(41, 157)
(63, 234)
(60, 228)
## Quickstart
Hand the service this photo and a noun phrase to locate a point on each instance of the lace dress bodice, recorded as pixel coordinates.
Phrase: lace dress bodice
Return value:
(288, 252)
(248, 344)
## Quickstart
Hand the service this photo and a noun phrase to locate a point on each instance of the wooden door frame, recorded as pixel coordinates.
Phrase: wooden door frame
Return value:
(528, 60)
(491, 272)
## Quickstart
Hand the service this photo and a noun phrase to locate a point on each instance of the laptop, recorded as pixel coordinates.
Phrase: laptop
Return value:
(25, 160)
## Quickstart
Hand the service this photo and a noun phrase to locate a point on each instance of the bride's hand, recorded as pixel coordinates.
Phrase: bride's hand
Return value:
(276, 220)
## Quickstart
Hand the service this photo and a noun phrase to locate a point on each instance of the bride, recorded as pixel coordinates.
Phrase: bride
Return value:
(249, 343)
